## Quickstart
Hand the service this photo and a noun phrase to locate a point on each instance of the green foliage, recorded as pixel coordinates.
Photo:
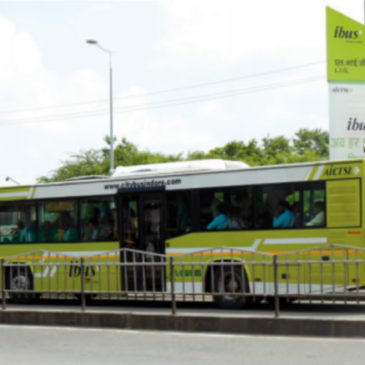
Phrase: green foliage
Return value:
(307, 145)
(90, 162)
(127, 154)
(94, 162)
(316, 140)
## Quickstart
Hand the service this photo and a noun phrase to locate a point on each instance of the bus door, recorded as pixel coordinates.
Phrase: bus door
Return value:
(128, 213)
(142, 228)
(152, 232)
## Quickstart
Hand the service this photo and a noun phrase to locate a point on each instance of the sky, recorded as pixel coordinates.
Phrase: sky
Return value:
(188, 75)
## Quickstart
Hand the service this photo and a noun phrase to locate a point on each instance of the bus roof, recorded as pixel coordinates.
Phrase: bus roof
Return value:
(188, 175)
(178, 167)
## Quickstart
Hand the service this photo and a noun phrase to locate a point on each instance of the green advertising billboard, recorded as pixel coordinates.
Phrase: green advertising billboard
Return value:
(345, 48)
(346, 80)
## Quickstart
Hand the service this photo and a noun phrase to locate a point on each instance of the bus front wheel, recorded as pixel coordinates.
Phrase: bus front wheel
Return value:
(228, 284)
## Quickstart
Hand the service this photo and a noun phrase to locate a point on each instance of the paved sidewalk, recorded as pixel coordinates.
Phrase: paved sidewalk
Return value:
(294, 320)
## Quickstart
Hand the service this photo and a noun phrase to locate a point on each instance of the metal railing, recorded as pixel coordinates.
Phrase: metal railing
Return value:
(230, 277)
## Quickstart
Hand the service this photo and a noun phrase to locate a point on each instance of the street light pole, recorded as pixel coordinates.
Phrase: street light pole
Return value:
(94, 42)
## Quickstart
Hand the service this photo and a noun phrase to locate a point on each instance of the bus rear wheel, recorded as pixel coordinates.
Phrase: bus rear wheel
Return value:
(228, 284)
(20, 279)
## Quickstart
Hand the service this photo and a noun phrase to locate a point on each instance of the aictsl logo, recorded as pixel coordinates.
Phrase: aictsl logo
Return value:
(341, 32)
(341, 171)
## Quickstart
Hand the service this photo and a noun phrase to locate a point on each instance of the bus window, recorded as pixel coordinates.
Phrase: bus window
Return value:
(178, 213)
(152, 225)
(98, 219)
(228, 209)
(130, 223)
(314, 206)
(58, 221)
(263, 210)
(283, 216)
(18, 223)
(293, 198)
(239, 208)
(277, 206)
(287, 211)
(212, 210)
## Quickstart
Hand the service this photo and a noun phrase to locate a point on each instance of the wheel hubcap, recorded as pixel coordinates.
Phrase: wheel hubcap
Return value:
(20, 282)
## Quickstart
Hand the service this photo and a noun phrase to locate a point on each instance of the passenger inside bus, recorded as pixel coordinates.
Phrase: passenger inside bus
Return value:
(219, 222)
(234, 221)
(90, 231)
(20, 233)
(130, 228)
(99, 226)
(67, 230)
(318, 218)
(209, 207)
(295, 208)
(240, 209)
(105, 222)
(152, 232)
(48, 232)
(284, 216)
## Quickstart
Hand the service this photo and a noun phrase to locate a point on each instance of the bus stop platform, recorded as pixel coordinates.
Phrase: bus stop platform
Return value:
(295, 320)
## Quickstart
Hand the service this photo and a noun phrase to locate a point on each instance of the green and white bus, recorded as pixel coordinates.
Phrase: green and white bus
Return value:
(174, 209)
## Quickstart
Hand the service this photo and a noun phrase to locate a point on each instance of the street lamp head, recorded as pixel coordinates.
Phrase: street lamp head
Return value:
(91, 41)
(9, 178)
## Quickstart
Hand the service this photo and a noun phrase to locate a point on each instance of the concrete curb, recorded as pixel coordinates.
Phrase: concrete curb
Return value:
(190, 323)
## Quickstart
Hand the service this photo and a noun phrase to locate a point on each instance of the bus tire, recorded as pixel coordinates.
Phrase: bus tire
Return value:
(230, 280)
(20, 278)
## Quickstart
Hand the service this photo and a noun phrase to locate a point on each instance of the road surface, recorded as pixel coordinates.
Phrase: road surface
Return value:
(61, 345)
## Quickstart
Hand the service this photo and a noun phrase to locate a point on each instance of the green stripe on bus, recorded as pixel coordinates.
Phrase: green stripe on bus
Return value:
(33, 192)
(21, 189)
(10, 198)
(313, 172)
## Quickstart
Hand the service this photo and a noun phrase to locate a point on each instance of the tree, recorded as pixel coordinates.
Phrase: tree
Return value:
(91, 162)
(315, 140)
(274, 147)
(127, 154)
(235, 150)
(97, 162)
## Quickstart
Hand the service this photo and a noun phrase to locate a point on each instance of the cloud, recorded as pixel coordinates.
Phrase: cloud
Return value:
(230, 31)
(170, 130)
(21, 71)
(44, 116)
(209, 108)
